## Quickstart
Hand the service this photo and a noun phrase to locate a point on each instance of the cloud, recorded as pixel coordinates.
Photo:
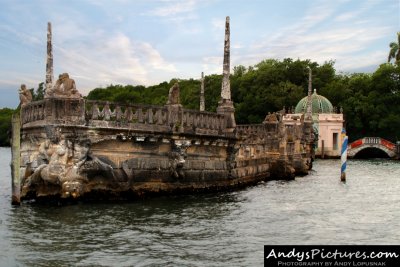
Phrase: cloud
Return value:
(14, 80)
(104, 3)
(212, 64)
(148, 53)
(348, 16)
(316, 15)
(360, 62)
(92, 55)
(24, 37)
(172, 8)
(313, 17)
(342, 45)
(218, 23)
(92, 44)
(315, 37)
(116, 59)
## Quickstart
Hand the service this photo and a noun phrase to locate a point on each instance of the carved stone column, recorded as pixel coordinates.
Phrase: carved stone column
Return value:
(49, 60)
(225, 105)
(202, 101)
(308, 115)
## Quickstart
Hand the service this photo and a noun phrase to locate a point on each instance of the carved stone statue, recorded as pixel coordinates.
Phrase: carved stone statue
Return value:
(65, 164)
(64, 87)
(177, 160)
(173, 96)
(270, 118)
(25, 95)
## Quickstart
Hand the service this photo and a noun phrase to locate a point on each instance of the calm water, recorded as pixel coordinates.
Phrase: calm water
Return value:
(226, 229)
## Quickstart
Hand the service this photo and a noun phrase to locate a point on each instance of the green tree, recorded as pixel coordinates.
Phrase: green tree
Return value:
(394, 52)
(39, 94)
(5, 126)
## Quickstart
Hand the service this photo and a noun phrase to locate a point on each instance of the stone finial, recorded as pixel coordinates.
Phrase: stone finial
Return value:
(25, 95)
(173, 95)
(49, 60)
(202, 101)
(226, 87)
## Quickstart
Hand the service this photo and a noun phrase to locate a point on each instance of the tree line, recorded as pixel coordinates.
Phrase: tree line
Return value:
(370, 101)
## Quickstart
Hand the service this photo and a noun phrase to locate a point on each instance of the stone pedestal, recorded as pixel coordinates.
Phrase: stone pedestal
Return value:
(65, 110)
(226, 108)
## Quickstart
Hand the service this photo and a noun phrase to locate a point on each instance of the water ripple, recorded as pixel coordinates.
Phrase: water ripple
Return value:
(222, 229)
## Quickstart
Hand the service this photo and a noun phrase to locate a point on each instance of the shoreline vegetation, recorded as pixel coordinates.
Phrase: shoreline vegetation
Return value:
(370, 101)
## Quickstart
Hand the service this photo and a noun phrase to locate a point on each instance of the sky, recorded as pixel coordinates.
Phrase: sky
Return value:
(145, 42)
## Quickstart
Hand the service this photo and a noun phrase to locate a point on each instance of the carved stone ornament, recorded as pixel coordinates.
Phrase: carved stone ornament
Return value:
(64, 87)
(177, 159)
(173, 96)
(25, 95)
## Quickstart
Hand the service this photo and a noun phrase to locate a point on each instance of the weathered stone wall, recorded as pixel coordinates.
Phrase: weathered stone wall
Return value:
(273, 149)
(74, 148)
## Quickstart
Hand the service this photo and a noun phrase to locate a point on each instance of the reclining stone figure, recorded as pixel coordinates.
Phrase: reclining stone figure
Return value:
(64, 87)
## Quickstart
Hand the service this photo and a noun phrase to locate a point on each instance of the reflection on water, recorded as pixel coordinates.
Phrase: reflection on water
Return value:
(210, 229)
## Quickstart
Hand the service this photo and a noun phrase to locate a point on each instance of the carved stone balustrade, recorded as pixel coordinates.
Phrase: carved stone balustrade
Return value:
(203, 123)
(266, 130)
(162, 118)
(66, 111)
(104, 114)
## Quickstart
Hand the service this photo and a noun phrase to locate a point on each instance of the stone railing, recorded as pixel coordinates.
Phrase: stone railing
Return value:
(107, 114)
(201, 122)
(169, 117)
(108, 111)
(34, 111)
(53, 111)
(372, 140)
(257, 129)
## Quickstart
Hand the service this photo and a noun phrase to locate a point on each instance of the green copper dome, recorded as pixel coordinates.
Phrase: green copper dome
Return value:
(320, 104)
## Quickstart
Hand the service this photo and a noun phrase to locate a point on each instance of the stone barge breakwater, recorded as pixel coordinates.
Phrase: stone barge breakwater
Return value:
(72, 148)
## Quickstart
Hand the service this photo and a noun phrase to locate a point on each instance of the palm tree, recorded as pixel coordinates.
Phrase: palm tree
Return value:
(395, 50)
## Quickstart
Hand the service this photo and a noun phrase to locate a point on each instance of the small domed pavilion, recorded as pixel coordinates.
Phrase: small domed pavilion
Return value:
(319, 104)
(327, 122)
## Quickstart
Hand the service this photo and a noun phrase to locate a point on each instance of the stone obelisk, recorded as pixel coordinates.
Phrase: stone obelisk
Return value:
(49, 60)
(308, 115)
(225, 105)
(202, 101)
